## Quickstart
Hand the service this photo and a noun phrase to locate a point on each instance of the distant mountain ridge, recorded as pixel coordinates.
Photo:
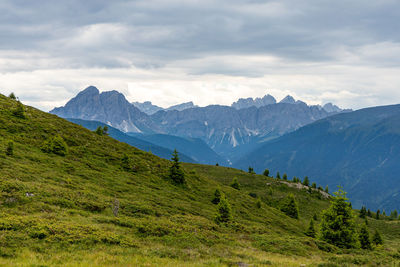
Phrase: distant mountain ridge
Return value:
(148, 108)
(359, 150)
(223, 128)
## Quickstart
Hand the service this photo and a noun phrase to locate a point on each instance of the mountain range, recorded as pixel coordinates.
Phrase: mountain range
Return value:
(359, 150)
(229, 131)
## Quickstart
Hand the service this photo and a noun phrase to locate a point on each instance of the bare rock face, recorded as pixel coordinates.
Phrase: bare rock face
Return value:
(147, 107)
(257, 102)
(110, 107)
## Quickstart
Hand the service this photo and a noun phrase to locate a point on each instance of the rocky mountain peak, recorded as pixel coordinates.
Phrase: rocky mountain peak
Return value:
(288, 100)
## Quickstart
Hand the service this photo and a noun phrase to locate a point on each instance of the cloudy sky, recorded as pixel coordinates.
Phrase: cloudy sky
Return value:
(170, 51)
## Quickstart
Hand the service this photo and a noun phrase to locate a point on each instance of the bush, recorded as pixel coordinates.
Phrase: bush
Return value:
(266, 172)
(10, 148)
(284, 177)
(290, 207)
(12, 96)
(251, 170)
(235, 184)
(258, 203)
(55, 145)
(306, 182)
(19, 112)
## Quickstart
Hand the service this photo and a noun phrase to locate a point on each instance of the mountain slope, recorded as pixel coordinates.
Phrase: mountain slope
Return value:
(359, 150)
(87, 208)
(139, 143)
(195, 148)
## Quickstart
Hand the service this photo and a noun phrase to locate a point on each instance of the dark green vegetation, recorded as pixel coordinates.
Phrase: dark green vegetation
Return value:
(359, 150)
(103, 202)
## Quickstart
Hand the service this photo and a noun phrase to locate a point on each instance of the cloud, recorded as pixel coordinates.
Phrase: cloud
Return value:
(207, 51)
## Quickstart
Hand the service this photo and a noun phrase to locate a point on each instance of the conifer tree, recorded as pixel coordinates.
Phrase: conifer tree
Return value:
(251, 170)
(12, 96)
(337, 224)
(377, 239)
(217, 196)
(327, 189)
(311, 230)
(266, 172)
(99, 130)
(290, 207)
(314, 185)
(369, 213)
(278, 175)
(306, 182)
(363, 237)
(105, 130)
(175, 172)
(394, 215)
(224, 211)
(10, 148)
(235, 184)
(284, 177)
(378, 213)
(363, 212)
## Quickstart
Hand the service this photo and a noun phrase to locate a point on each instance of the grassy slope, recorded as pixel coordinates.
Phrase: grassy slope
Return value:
(69, 219)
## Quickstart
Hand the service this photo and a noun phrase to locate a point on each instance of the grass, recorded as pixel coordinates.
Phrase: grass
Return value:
(58, 210)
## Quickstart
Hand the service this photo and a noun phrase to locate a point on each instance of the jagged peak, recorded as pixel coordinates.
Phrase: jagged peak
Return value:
(91, 90)
(288, 100)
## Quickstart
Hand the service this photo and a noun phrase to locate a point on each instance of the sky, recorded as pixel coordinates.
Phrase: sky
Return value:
(210, 52)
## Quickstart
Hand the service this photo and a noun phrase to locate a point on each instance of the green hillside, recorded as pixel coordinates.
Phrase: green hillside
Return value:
(107, 203)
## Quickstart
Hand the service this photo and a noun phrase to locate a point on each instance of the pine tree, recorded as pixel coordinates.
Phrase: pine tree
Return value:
(10, 148)
(369, 213)
(337, 224)
(235, 184)
(105, 130)
(363, 212)
(99, 130)
(363, 237)
(258, 203)
(327, 189)
(290, 207)
(217, 196)
(12, 96)
(284, 177)
(378, 212)
(278, 176)
(266, 172)
(224, 211)
(306, 182)
(383, 213)
(216, 164)
(311, 230)
(394, 215)
(251, 170)
(176, 174)
(314, 185)
(377, 239)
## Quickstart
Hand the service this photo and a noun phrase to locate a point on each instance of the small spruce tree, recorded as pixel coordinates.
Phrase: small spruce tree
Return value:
(19, 111)
(394, 215)
(306, 182)
(290, 207)
(314, 185)
(278, 175)
(258, 203)
(266, 172)
(105, 130)
(378, 213)
(251, 170)
(235, 184)
(217, 196)
(12, 96)
(369, 213)
(216, 164)
(284, 177)
(377, 239)
(176, 173)
(363, 212)
(363, 237)
(10, 148)
(338, 224)
(327, 189)
(224, 211)
(311, 230)
(99, 130)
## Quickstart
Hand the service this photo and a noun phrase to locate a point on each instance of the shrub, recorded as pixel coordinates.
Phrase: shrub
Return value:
(55, 145)
(217, 196)
(306, 182)
(224, 211)
(314, 185)
(377, 239)
(327, 189)
(363, 212)
(266, 172)
(278, 175)
(19, 112)
(235, 184)
(338, 225)
(10, 148)
(258, 203)
(12, 96)
(284, 177)
(251, 170)
(290, 207)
